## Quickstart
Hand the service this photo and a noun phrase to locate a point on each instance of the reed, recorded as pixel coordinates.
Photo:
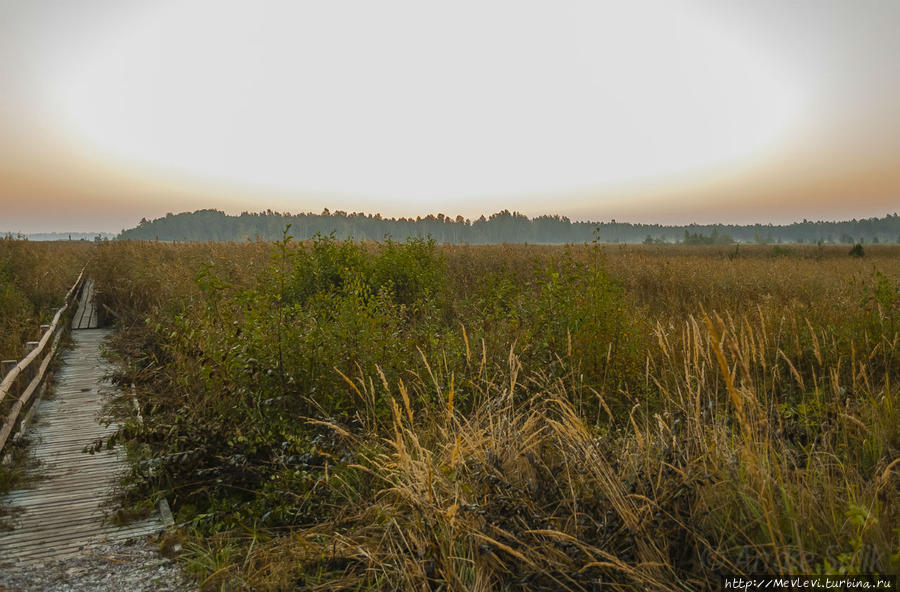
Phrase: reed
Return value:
(368, 416)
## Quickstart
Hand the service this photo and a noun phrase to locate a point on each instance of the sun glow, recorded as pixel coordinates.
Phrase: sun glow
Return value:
(415, 101)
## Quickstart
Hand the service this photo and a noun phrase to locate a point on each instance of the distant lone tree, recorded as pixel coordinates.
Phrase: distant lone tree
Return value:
(857, 251)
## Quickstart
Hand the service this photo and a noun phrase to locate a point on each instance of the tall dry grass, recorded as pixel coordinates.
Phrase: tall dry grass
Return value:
(753, 427)
(521, 493)
(34, 279)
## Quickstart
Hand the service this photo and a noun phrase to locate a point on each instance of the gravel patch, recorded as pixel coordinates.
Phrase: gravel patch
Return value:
(133, 566)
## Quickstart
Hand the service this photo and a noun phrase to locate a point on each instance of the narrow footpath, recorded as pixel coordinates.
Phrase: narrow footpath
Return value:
(58, 528)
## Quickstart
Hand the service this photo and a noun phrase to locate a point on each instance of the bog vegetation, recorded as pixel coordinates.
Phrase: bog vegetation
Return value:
(34, 279)
(384, 416)
(387, 416)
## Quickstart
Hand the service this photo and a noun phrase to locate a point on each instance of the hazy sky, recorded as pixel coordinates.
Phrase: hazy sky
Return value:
(669, 111)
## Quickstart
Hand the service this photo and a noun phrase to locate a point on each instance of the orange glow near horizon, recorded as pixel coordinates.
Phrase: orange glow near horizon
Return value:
(667, 112)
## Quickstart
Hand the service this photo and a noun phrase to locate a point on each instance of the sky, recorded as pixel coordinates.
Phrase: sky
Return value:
(673, 111)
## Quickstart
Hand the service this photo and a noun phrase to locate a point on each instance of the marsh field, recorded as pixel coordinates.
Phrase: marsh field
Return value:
(336, 415)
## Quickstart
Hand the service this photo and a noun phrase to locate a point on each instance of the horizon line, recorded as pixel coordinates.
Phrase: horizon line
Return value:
(452, 218)
(270, 212)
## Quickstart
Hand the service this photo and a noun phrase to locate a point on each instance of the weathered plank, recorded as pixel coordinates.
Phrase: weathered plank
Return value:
(68, 506)
(86, 314)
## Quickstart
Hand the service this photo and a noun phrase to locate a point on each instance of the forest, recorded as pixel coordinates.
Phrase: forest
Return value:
(500, 227)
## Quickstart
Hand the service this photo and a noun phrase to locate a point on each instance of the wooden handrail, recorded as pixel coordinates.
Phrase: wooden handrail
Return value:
(36, 353)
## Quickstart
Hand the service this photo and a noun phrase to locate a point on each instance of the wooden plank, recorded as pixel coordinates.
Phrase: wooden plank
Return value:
(77, 534)
(94, 320)
(86, 316)
(70, 537)
(60, 453)
(37, 509)
(78, 319)
(74, 549)
(70, 506)
(49, 491)
(70, 437)
(48, 510)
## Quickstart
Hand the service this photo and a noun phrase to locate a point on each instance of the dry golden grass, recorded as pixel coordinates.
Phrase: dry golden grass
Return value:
(755, 429)
(34, 279)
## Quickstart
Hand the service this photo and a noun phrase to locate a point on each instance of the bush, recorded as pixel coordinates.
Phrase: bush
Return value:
(405, 416)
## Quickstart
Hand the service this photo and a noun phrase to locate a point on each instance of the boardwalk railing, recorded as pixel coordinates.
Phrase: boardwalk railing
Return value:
(33, 367)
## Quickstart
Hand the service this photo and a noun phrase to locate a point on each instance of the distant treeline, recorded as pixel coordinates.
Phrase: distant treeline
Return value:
(502, 227)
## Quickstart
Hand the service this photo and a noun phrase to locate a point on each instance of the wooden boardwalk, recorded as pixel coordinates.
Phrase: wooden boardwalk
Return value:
(68, 501)
(86, 315)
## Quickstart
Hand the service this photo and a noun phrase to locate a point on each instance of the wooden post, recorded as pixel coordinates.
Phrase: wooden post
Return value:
(6, 366)
(44, 329)
(31, 371)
